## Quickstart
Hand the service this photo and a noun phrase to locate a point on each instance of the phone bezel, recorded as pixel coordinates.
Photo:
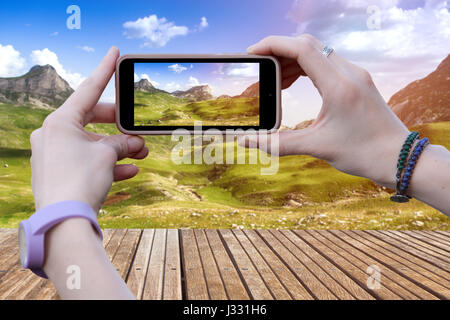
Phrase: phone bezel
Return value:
(270, 102)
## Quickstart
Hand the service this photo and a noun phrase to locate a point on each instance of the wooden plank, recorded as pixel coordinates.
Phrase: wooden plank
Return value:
(107, 234)
(420, 265)
(416, 264)
(349, 264)
(444, 233)
(113, 244)
(410, 249)
(340, 277)
(415, 246)
(196, 288)
(250, 276)
(436, 235)
(287, 278)
(272, 282)
(154, 281)
(288, 241)
(216, 288)
(429, 240)
(138, 271)
(396, 283)
(303, 274)
(437, 251)
(430, 286)
(234, 287)
(172, 272)
(9, 252)
(125, 253)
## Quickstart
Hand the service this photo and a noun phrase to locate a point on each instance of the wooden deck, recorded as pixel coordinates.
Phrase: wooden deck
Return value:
(259, 264)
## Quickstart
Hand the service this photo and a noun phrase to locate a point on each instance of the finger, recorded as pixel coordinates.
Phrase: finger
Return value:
(287, 82)
(125, 171)
(125, 146)
(318, 68)
(141, 154)
(290, 71)
(102, 113)
(88, 93)
(283, 143)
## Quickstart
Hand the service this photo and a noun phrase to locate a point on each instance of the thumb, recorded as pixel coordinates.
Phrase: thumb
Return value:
(124, 145)
(283, 143)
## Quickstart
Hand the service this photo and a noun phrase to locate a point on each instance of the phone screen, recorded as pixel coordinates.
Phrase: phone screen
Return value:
(180, 94)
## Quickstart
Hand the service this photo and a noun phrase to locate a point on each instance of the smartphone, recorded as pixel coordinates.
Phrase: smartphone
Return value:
(158, 94)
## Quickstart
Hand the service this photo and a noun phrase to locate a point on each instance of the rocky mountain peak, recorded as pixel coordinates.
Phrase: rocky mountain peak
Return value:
(251, 91)
(425, 100)
(144, 85)
(41, 87)
(197, 93)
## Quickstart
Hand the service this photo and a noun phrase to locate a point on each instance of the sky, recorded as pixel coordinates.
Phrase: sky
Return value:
(397, 41)
(223, 78)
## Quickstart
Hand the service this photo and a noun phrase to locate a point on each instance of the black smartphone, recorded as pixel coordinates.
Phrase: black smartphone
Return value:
(158, 94)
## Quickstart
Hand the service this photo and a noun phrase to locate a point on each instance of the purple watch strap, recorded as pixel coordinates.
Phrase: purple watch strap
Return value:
(43, 220)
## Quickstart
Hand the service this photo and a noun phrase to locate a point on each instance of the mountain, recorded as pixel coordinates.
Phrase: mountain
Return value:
(224, 96)
(252, 91)
(304, 124)
(426, 100)
(145, 86)
(197, 93)
(41, 87)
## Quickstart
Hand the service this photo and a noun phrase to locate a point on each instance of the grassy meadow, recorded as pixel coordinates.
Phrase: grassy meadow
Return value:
(305, 193)
(174, 111)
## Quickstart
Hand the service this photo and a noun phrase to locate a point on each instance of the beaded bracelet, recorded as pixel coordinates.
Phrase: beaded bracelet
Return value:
(404, 180)
(412, 137)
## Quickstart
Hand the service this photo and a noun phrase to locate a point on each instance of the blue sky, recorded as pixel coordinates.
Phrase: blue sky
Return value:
(388, 41)
(230, 78)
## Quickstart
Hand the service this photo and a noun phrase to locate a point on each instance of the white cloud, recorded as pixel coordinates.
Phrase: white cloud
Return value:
(11, 62)
(136, 78)
(193, 82)
(54, 34)
(409, 44)
(177, 68)
(156, 32)
(241, 69)
(87, 49)
(203, 23)
(45, 56)
(172, 86)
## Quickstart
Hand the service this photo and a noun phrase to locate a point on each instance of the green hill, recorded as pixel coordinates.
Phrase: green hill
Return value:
(306, 193)
(161, 108)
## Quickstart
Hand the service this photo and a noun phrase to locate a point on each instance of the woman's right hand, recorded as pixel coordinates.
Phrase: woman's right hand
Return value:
(355, 131)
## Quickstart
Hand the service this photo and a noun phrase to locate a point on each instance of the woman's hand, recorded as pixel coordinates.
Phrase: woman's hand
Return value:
(355, 131)
(70, 163)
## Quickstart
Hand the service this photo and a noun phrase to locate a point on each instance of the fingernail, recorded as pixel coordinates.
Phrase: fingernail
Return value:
(135, 144)
(251, 49)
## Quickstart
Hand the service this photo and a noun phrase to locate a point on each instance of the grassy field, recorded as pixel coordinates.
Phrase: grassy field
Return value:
(173, 111)
(306, 193)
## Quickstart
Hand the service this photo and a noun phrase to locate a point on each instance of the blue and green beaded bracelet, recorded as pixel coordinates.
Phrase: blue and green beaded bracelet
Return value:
(404, 179)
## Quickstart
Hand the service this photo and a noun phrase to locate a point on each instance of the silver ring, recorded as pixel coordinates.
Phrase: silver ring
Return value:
(327, 51)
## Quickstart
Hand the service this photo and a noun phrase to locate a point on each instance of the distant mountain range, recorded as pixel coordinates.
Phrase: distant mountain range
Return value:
(426, 100)
(40, 87)
(196, 93)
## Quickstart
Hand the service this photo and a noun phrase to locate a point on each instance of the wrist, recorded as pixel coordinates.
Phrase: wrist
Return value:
(65, 241)
(383, 166)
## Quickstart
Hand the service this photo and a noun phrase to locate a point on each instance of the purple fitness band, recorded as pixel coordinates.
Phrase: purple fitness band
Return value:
(32, 231)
